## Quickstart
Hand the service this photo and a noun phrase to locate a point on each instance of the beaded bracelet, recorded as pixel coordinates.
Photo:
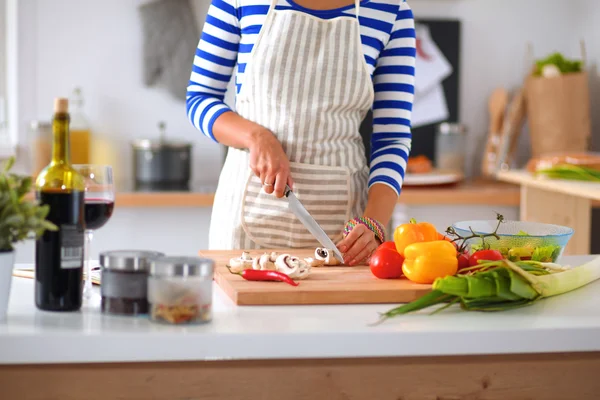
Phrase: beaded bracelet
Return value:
(370, 223)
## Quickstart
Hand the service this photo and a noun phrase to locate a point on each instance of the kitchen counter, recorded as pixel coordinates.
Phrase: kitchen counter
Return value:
(551, 335)
(467, 193)
(566, 324)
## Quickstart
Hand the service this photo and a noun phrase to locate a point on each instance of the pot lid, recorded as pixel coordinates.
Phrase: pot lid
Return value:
(161, 143)
(148, 144)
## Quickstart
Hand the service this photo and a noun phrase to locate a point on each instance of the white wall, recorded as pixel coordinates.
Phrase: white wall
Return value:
(98, 46)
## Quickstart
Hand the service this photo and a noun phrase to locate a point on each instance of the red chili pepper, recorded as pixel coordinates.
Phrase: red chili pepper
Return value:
(256, 275)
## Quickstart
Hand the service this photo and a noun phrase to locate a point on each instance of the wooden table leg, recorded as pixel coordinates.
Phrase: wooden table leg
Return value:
(539, 205)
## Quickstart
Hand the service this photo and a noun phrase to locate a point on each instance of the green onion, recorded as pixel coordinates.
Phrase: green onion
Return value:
(502, 285)
(571, 172)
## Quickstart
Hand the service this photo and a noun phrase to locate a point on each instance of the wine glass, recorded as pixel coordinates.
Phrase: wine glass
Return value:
(99, 203)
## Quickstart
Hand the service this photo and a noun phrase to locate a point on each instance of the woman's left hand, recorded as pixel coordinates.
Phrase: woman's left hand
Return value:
(358, 245)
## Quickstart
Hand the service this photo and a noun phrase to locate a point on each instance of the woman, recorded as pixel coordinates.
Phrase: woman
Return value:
(307, 73)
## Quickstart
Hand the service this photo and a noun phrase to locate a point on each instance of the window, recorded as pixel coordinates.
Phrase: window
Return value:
(8, 84)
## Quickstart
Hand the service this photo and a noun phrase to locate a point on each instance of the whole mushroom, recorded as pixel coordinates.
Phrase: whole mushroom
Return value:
(237, 265)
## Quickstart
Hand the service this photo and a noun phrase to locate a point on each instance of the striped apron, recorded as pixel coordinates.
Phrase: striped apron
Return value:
(307, 82)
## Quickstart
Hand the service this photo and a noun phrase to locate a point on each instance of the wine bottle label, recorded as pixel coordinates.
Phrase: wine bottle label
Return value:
(71, 247)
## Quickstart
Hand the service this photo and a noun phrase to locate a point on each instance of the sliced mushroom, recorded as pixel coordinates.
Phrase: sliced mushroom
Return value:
(326, 256)
(293, 267)
(263, 263)
(241, 263)
(313, 262)
(273, 256)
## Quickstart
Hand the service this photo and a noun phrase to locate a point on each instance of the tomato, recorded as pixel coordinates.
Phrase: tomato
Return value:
(386, 264)
(485, 255)
(463, 261)
(391, 245)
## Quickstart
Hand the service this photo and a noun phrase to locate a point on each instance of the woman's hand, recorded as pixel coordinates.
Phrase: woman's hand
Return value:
(270, 163)
(359, 245)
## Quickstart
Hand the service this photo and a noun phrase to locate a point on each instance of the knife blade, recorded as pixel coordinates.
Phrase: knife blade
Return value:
(309, 222)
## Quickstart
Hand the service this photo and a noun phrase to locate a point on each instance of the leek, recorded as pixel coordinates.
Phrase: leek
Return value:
(502, 285)
(571, 172)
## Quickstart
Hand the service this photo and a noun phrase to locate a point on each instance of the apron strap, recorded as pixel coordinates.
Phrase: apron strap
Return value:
(357, 7)
(273, 4)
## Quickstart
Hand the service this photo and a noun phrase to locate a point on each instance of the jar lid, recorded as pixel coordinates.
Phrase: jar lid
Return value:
(35, 125)
(128, 260)
(451, 128)
(182, 266)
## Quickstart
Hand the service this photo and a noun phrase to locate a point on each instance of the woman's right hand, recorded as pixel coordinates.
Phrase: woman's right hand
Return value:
(270, 163)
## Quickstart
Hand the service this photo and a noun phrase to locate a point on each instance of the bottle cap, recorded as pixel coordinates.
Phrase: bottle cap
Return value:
(61, 105)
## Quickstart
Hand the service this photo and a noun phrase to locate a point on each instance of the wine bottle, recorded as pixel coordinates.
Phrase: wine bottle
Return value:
(59, 254)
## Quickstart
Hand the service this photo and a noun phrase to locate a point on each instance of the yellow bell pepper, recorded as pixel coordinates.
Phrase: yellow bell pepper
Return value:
(424, 262)
(413, 232)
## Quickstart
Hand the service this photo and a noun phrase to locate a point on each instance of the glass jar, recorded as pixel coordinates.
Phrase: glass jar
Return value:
(180, 290)
(124, 285)
(450, 144)
(40, 146)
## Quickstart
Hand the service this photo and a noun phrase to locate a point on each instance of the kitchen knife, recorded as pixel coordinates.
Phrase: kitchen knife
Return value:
(310, 223)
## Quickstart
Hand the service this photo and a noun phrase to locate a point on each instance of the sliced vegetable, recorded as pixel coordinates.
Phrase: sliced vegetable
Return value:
(386, 264)
(484, 255)
(546, 253)
(413, 232)
(520, 253)
(503, 285)
(424, 262)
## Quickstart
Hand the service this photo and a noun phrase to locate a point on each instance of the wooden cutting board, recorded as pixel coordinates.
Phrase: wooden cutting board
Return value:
(324, 285)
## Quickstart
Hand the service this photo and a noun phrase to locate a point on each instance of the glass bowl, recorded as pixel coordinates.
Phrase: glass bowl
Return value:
(519, 239)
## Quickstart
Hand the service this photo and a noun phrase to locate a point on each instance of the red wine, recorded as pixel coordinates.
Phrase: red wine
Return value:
(97, 213)
(59, 254)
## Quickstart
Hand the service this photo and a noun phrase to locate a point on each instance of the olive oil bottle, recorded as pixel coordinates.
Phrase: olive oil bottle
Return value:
(59, 254)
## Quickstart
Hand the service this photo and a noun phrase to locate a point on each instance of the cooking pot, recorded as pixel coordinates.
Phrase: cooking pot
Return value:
(162, 164)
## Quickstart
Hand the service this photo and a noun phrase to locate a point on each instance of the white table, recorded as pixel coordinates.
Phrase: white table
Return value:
(556, 201)
(293, 351)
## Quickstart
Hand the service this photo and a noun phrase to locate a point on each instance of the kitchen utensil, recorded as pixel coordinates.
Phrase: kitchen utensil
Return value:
(511, 130)
(532, 234)
(324, 285)
(450, 144)
(162, 164)
(310, 223)
(497, 106)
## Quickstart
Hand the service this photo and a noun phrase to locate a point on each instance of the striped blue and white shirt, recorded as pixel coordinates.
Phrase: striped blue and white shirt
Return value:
(389, 46)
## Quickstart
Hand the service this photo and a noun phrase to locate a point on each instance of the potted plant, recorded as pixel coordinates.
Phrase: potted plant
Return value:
(20, 219)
